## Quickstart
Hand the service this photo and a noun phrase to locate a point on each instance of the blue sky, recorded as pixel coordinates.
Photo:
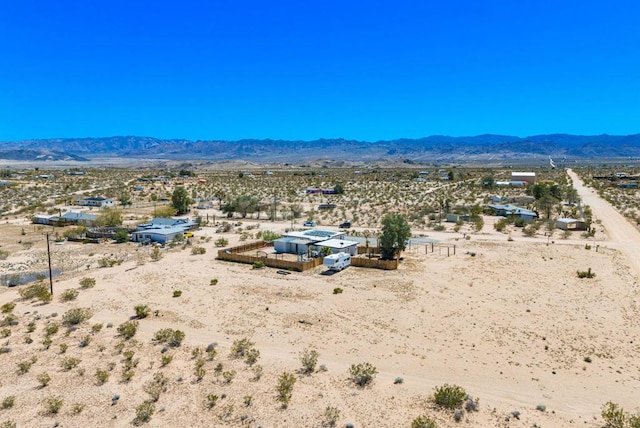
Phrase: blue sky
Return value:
(312, 69)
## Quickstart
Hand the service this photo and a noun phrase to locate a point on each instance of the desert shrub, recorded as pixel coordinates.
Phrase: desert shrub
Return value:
(52, 405)
(9, 320)
(25, 366)
(449, 396)
(228, 375)
(4, 254)
(8, 424)
(331, 416)
(127, 375)
(51, 329)
(211, 401)
(221, 242)
(5, 332)
(128, 329)
(156, 254)
(38, 291)
(77, 408)
(177, 293)
(240, 347)
(397, 381)
(471, 404)
(7, 308)
(211, 351)
(76, 316)
(157, 386)
(214, 281)
(337, 290)
(142, 311)
(44, 379)
(251, 356)
(8, 402)
(285, 388)
(144, 412)
(309, 359)
(63, 348)
(102, 376)
(613, 415)
(423, 422)
(196, 250)
(362, 374)
(198, 369)
(586, 274)
(257, 372)
(165, 359)
(69, 363)
(96, 328)
(31, 327)
(259, 264)
(87, 283)
(69, 295)
(169, 336)
(84, 342)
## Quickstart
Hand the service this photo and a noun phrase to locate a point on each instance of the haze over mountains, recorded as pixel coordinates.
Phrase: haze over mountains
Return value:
(493, 148)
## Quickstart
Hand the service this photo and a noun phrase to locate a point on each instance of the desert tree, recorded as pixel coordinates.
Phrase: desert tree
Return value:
(395, 234)
(180, 200)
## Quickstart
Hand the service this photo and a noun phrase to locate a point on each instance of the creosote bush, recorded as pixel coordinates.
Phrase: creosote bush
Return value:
(309, 359)
(169, 336)
(38, 291)
(69, 295)
(331, 416)
(7, 308)
(8, 402)
(144, 412)
(362, 374)
(449, 396)
(76, 316)
(423, 422)
(102, 376)
(142, 311)
(285, 388)
(240, 347)
(52, 405)
(87, 283)
(44, 379)
(128, 329)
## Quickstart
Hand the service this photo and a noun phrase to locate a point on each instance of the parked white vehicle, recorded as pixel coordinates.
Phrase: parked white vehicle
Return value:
(337, 261)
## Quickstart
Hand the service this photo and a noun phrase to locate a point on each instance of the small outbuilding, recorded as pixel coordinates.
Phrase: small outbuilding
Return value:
(159, 235)
(570, 224)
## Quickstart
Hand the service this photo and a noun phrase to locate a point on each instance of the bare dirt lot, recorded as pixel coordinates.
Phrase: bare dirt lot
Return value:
(507, 320)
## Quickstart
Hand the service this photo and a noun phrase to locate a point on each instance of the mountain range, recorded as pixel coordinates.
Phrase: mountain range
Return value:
(474, 149)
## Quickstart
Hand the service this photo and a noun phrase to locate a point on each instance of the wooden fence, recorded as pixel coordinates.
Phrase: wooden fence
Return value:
(233, 255)
(374, 263)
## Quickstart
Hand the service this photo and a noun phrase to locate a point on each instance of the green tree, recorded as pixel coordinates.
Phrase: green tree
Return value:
(245, 204)
(395, 233)
(122, 236)
(488, 181)
(546, 203)
(180, 200)
(109, 217)
(338, 188)
(125, 199)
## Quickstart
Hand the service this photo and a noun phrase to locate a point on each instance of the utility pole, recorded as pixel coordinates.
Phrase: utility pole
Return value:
(49, 257)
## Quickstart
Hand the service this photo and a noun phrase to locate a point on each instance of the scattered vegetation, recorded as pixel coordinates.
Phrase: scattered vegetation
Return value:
(449, 396)
(169, 336)
(76, 316)
(362, 374)
(285, 388)
(309, 359)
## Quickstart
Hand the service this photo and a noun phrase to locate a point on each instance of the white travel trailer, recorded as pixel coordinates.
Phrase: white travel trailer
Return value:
(337, 261)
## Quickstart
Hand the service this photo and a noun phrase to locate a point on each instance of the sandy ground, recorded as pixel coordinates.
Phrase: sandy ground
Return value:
(509, 321)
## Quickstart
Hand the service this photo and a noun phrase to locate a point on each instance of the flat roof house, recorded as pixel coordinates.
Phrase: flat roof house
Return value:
(512, 210)
(160, 235)
(301, 242)
(78, 218)
(95, 202)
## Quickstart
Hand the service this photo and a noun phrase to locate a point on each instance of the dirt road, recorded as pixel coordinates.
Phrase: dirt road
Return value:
(622, 235)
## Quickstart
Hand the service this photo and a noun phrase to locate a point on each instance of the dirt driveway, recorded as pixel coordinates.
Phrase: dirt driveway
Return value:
(622, 234)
